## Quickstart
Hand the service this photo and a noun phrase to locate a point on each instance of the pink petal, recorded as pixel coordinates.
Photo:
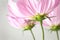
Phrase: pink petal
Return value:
(48, 5)
(25, 8)
(57, 13)
(53, 5)
(12, 7)
(54, 20)
(16, 22)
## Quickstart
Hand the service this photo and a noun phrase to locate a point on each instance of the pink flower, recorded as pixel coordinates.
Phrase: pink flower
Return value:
(15, 18)
(31, 7)
(37, 7)
(26, 9)
(55, 21)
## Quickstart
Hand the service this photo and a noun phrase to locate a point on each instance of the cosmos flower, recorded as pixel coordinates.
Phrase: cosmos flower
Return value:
(54, 24)
(16, 19)
(28, 9)
(37, 9)
(24, 13)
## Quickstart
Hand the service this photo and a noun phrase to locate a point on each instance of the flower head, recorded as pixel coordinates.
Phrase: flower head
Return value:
(16, 19)
(29, 10)
(37, 7)
(54, 24)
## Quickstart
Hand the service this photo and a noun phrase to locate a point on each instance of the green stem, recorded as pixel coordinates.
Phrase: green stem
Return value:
(42, 30)
(32, 34)
(57, 35)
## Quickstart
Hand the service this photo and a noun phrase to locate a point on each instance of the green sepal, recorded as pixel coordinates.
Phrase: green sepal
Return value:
(39, 17)
(55, 28)
(29, 27)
